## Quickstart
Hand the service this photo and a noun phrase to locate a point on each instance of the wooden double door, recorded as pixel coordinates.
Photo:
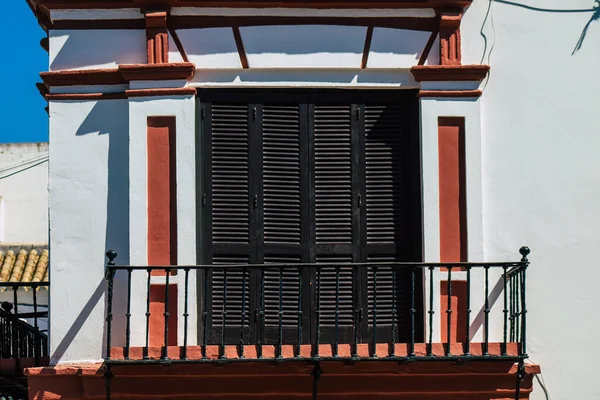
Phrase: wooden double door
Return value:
(321, 177)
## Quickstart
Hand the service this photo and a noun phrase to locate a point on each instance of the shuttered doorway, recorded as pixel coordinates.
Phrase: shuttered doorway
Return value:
(290, 177)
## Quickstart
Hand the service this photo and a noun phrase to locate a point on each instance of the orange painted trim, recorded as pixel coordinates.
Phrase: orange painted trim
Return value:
(185, 91)
(121, 75)
(151, 72)
(83, 77)
(452, 189)
(449, 93)
(86, 96)
(424, 73)
(157, 37)
(458, 306)
(156, 327)
(162, 191)
(450, 44)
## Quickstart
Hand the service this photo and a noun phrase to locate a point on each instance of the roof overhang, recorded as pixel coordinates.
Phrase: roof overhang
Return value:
(41, 8)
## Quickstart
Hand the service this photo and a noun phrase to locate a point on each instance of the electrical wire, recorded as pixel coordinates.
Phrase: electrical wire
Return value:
(542, 382)
(22, 163)
(23, 169)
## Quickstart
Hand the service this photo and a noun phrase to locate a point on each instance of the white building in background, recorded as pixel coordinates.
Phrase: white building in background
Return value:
(24, 193)
(185, 132)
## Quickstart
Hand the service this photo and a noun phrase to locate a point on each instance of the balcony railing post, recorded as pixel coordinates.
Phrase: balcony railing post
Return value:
(431, 313)
(411, 349)
(524, 252)
(128, 316)
(110, 274)
(149, 274)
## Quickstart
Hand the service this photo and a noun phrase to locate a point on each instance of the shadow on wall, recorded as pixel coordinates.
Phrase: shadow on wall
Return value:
(108, 117)
(83, 48)
(595, 10)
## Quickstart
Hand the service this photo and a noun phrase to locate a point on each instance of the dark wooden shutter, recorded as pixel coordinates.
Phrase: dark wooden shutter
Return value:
(284, 212)
(228, 218)
(388, 228)
(334, 217)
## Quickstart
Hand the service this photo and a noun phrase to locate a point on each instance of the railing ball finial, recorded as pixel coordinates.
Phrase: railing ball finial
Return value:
(111, 254)
(524, 252)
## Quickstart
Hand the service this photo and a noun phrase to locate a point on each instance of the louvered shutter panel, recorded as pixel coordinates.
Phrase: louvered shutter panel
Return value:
(334, 219)
(387, 222)
(283, 213)
(228, 205)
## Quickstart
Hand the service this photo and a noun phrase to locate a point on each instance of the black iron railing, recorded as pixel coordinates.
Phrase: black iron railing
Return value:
(18, 338)
(511, 283)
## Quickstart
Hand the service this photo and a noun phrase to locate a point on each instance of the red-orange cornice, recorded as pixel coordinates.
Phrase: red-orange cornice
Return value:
(424, 73)
(121, 75)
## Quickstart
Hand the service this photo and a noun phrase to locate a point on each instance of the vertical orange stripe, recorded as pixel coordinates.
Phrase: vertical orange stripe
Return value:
(162, 194)
(458, 304)
(157, 317)
(453, 229)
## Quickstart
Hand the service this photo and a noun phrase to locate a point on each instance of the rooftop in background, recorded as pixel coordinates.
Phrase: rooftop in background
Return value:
(24, 262)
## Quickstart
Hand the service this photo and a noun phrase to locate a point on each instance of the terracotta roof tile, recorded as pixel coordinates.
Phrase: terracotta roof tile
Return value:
(24, 263)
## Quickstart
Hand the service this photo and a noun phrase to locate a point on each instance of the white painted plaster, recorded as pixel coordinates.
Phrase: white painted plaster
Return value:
(305, 12)
(397, 48)
(538, 182)
(24, 192)
(89, 212)
(96, 14)
(306, 46)
(183, 109)
(390, 78)
(207, 48)
(90, 49)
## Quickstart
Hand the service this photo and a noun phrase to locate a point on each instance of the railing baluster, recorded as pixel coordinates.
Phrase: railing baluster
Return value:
(392, 351)
(299, 329)
(16, 324)
(128, 317)
(524, 252)
(165, 355)
(431, 313)
(318, 314)
(36, 337)
(411, 349)
(186, 314)
(512, 308)
(149, 274)
(110, 274)
(356, 305)
(505, 310)
(224, 315)
(261, 313)
(468, 316)
(486, 313)
(280, 314)
(374, 334)
(337, 311)
(243, 324)
(204, 311)
(517, 306)
(449, 314)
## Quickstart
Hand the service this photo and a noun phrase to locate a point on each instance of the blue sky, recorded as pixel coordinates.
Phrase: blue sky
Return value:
(22, 112)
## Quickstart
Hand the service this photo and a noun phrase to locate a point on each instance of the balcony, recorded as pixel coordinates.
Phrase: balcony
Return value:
(454, 313)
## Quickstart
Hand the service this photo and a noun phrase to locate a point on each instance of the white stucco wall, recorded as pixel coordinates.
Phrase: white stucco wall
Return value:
(24, 193)
(537, 182)
(89, 209)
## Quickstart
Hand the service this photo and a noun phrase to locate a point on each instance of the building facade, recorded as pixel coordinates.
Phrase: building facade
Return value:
(331, 197)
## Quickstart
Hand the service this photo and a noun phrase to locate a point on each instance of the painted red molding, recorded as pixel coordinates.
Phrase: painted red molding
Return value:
(458, 317)
(156, 326)
(450, 46)
(184, 91)
(377, 379)
(162, 191)
(83, 77)
(157, 37)
(151, 72)
(449, 93)
(86, 96)
(452, 189)
(423, 73)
